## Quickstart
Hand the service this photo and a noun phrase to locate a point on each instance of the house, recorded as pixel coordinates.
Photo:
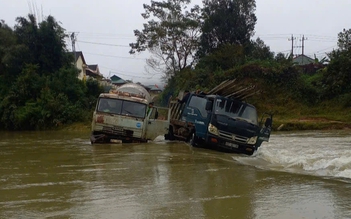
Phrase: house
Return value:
(309, 65)
(303, 60)
(80, 63)
(115, 80)
(153, 89)
(93, 71)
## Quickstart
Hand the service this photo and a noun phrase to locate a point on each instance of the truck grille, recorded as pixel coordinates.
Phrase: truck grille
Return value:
(231, 137)
(117, 130)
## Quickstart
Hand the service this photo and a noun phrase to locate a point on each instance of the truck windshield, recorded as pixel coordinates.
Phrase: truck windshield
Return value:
(121, 107)
(236, 109)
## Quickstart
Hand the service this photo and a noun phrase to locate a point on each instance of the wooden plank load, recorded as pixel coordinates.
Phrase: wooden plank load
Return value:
(231, 89)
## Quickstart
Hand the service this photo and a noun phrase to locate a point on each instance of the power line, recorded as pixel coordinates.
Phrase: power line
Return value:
(322, 50)
(113, 56)
(284, 51)
(106, 37)
(104, 44)
(126, 73)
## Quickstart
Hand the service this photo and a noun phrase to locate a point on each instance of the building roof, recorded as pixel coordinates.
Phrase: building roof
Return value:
(93, 70)
(117, 80)
(93, 67)
(303, 60)
(76, 56)
(154, 88)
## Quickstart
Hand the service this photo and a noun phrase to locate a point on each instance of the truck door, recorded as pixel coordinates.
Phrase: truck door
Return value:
(266, 128)
(157, 122)
(195, 112)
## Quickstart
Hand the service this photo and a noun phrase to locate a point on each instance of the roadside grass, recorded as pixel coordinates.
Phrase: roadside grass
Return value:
(290, 114)
(319, 117)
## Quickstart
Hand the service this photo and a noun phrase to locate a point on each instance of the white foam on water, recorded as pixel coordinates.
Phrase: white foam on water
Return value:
(321, 154)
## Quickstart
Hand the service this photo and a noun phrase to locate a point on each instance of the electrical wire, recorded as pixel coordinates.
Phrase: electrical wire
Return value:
(103, 44)
(113, 56)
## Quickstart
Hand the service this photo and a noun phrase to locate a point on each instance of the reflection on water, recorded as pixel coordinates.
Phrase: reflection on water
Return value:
(60, 175)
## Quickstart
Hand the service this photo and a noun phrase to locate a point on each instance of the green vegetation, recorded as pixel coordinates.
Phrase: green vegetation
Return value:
(317, 96)
(194, 47)
(39, 88)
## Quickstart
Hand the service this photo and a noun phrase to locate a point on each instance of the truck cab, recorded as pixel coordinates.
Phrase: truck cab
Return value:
(121, 116)
(219, 122)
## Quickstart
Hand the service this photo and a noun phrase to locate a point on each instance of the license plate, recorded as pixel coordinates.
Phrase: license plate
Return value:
(232, 145)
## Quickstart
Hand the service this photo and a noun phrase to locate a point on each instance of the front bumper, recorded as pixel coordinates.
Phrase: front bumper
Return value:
(230, 146)
(103, 137)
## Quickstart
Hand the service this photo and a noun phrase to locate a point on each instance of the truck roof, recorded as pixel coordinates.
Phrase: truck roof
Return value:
(135, 90)
(213, 96)
(124, 96)
(131, 92)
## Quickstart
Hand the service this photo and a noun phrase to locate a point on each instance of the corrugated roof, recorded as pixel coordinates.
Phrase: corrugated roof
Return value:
(154, 88)
(303, 60)
(117, 80)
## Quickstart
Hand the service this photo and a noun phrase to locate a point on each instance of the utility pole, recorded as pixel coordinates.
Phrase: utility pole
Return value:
(292, 44)
(73, 40)
(303, 43)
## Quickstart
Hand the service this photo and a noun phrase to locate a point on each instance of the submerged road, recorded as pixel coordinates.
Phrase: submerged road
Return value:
(61, 175)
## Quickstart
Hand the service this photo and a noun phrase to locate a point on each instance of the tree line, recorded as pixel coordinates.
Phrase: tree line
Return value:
(196, 47)
(39, 88)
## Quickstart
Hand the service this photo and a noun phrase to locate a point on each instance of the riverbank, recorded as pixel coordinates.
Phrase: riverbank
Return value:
(81, 126)
(309, 124)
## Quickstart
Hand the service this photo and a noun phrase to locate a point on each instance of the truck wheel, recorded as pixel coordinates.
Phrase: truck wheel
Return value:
(250, 152)
(169, 135)
(193, 140)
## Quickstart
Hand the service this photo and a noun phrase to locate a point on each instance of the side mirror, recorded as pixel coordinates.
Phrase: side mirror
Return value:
(208, 105)
(268, 122)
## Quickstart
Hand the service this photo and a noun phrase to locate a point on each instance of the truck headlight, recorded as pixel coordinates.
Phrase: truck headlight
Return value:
(252, 140)
(213, 129)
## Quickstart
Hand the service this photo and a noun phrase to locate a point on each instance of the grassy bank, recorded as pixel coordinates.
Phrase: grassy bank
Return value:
(81, 126)
(295, 116)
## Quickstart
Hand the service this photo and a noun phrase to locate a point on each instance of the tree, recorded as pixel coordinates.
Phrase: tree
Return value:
(45, 42)
(226, 22)
(259, 50)
(172, 38)
(284, 58)
(224, 58)
(337, 78)
(344, 39)
(39, 87)
(7, 47)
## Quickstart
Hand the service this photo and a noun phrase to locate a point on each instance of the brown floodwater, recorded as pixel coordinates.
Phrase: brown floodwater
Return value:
(61, 175)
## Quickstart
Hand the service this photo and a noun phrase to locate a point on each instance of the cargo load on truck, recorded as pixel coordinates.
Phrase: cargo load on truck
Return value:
(126, 115)
(220, 119)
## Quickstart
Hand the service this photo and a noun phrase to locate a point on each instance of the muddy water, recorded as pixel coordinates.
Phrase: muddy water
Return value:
(60, 175)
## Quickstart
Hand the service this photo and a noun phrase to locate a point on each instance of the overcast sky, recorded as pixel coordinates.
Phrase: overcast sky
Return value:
(105, 28)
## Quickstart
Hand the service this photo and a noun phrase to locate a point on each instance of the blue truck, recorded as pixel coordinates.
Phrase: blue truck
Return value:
(220, 119)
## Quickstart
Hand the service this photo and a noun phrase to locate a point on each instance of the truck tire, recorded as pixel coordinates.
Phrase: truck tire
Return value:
(193, 140)
(250, 152)
(169, 135)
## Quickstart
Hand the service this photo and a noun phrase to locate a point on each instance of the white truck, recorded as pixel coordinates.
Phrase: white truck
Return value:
(122, 115)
